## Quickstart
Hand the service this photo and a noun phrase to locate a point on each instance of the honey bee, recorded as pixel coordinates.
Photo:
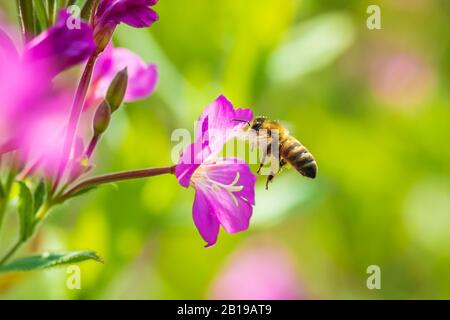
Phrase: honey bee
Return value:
(290, 150)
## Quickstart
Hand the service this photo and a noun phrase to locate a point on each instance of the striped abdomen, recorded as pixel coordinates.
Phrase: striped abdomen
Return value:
(298, 156)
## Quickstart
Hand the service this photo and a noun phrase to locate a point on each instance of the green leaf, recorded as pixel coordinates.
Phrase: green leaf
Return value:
(26, 17)
(41, 14)
(39, 196)
(25, 211)
(87, 8)
(49, 260)
(51, 9)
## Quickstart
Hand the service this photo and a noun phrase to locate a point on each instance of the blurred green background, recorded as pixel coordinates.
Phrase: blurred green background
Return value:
(373, 106)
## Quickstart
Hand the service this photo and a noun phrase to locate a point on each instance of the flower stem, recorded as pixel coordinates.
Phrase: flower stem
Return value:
(41, 15)
(114, 177)
(41, 214)
(87, 9)
(26, 18)
(6, 192)
(11, 251)
(92, 144)
(51, 7)
(75, 114)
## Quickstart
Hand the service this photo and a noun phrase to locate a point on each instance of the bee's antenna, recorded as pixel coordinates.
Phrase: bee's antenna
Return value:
(240, 120)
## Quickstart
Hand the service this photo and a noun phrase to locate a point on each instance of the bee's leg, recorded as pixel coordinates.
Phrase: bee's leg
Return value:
(264, 158)
(272, 175)
(269, 179)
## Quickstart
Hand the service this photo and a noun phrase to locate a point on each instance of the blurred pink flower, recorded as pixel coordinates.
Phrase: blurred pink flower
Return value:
(142, 77)
(33, 112)
(22, 85)
(59, 47)
(258, 271)
(403, 80)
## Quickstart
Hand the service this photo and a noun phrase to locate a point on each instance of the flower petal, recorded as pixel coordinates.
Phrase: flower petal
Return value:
(218, 124)
(204, 218)
(190, 160)
(225, 171)
(142, 77)
(135, 13)
(215, 127)
(7, 48)
(140, 17)
(59, 47)
(232, 208)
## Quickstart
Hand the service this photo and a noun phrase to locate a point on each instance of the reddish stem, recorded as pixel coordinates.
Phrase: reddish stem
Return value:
(90, 149)
(75, 114)
(119, 176)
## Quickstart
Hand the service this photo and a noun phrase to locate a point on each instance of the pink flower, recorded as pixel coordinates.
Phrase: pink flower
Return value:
(402, 80)
(33, 111)
(59, 47)
(40, 145)
(262, 270)
(225, 188)
(135, 13)
(142, 77)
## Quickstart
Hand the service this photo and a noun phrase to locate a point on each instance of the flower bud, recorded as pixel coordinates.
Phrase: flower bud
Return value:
(101, 118)
(117, 89)
(102, 37)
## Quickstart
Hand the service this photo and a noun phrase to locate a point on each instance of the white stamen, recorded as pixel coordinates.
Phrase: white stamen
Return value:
(200, 178)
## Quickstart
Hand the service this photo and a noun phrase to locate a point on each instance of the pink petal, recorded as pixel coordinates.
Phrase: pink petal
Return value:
(142, 77)
(190, 160)
(214, 128)
(225, 170)
(217, 124)
(140, 17)
(7, 48)
(204, 218)
(59, 48)
(233, 212)
(135, 13)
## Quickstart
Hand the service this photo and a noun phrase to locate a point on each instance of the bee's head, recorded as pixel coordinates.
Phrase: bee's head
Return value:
(257, 123)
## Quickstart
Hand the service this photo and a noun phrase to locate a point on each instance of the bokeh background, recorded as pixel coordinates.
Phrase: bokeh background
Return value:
(373, 106)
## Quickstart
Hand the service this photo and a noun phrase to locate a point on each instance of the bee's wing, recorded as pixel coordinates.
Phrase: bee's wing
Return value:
(289, 126)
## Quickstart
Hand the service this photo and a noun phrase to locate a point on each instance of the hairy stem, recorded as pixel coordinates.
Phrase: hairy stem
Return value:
(119, 176)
